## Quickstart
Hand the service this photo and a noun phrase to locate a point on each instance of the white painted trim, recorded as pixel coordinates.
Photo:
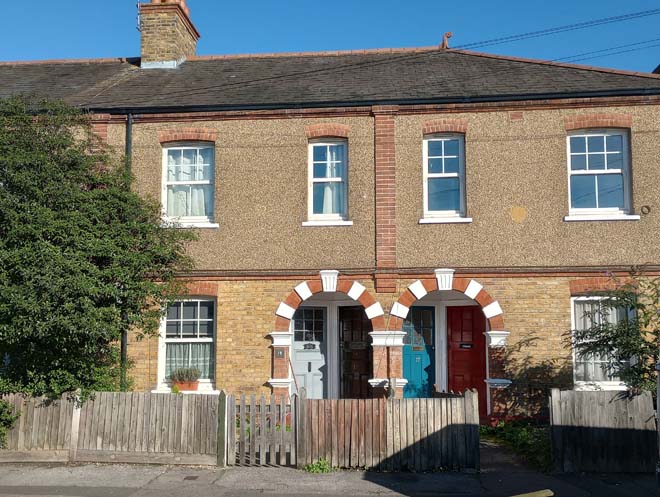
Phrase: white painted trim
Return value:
(387, 338)
(303, 291)
(327, 223)
(460, 175)
(281, 338)
(329, 279)
(492, 309)
(473, 289)
(602, 217)
(374, 310)
(356, 290)
(399, 310)
(497, 383)
(384, 382)
(285, 311)
(445, 278)
(167, 223)
(594, 386)
(445, 220)
(280, 382)
(162, 64)
(496, 339)
(417, 289)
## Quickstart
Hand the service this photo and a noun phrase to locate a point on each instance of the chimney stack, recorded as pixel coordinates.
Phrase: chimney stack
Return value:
(168, 35)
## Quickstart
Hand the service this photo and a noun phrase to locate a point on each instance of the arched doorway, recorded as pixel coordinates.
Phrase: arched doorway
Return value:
(323, 338)
(449, 324)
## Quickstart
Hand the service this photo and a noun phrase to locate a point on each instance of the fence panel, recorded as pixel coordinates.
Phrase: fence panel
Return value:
(603, 431)
(391, 435)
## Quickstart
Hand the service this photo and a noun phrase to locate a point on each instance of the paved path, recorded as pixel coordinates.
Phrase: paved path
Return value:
(502, 476)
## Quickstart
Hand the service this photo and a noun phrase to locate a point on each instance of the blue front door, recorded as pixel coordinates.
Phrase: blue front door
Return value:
(419, 352)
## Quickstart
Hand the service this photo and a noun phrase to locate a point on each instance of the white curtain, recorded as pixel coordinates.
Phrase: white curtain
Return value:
(190, 355)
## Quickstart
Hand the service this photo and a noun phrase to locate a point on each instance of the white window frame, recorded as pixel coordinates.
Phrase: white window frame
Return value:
(445, 216)
(340, 219)
(206, 385)
(188, 221)
(589, 385)
(602, 213)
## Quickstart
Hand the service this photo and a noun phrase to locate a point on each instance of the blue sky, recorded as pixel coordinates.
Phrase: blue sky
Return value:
(42, 29)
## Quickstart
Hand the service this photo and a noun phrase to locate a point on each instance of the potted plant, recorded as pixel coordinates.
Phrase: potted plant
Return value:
(185, 379)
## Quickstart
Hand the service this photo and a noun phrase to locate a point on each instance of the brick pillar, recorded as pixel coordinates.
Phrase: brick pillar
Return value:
(281, 380)
(387, 361)
(385, 162)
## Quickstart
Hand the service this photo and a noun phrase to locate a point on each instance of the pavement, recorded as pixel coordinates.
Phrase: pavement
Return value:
(501, 476)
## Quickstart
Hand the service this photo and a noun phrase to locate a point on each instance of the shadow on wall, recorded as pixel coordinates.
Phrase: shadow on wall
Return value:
(532, 377)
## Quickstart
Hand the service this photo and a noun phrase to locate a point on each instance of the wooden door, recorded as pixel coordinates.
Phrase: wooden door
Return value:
(467, 351)
(356, 352)
(419, 352)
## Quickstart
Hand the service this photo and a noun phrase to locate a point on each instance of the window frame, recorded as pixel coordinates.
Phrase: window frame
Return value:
(206, 385)
(606, 213)
(188, 221)
(588, 385)
(326, 219)
(444, 215)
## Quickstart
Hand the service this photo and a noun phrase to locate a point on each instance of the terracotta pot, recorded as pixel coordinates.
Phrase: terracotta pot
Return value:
(186, 386)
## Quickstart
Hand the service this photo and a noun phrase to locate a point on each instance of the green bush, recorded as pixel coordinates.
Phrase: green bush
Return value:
(529, 439)
(7, 420)
(321, 466)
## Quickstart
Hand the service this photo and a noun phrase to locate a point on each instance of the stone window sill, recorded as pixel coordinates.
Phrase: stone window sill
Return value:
(445, 220)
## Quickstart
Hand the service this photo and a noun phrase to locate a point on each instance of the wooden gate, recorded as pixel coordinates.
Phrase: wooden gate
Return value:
(261, 431)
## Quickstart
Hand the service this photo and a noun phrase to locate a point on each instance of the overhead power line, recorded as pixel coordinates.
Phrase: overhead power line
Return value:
(583, 55)
(560, 29)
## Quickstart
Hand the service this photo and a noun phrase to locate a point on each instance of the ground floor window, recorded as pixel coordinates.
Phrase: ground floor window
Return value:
(189, 337)
(595, 368)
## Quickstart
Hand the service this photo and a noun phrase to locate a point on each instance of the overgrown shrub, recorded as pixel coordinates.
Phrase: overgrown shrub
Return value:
(7, 420)
(527, 438)
(321, 466)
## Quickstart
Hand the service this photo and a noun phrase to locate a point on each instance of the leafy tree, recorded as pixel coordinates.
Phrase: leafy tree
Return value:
(632, 341)
(82, 257)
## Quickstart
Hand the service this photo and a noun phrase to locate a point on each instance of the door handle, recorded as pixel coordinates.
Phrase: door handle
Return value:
(309, 367)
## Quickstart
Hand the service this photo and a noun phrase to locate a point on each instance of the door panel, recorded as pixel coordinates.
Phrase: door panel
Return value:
(419, 352)
(356, 352)
(309, 356)
(467, 351)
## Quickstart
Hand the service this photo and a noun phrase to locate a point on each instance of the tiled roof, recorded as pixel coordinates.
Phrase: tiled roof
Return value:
(308, 80)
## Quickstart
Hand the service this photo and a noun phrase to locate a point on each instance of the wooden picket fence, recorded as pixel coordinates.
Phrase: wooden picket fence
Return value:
(603, 431)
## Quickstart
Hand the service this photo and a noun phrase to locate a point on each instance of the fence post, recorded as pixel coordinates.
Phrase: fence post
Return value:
(75, 425)
(222, 429)
(301, 428)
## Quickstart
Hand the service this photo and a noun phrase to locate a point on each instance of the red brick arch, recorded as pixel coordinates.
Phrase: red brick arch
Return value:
(446, 125)
(327, 130)
(483, 298)
(346, 286)
(187, 134)
(583, 121)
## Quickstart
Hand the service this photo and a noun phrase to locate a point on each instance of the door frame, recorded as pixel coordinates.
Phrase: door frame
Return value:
(441, 301)
(333, 356)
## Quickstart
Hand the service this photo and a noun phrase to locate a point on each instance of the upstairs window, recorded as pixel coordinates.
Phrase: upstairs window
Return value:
(599, 173)
(188, 186)
(444, 176)
(328, 185)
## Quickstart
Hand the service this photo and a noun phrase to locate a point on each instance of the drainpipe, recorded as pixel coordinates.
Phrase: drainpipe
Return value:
(124, 333)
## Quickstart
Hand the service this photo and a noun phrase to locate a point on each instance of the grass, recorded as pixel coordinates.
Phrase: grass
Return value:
(528, 439)
(321, 466)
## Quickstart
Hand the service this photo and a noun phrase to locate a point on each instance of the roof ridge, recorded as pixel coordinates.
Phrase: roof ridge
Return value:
(567, 65)
(101, 60)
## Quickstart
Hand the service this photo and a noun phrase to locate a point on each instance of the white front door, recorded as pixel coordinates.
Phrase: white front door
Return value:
(309, 357)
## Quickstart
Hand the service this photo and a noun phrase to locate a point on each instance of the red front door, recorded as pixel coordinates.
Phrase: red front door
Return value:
(467, 351)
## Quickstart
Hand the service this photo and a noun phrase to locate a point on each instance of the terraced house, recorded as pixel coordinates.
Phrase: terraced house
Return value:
(421, 218)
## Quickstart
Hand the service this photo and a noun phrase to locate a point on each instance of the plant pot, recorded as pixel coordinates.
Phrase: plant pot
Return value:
(186, 386)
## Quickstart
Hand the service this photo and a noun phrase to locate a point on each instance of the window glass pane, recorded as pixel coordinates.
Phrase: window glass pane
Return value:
(189, 329)
(320, 153)
(190, 310)
(189, 156)
(596, 161)
(614, 161)
(583, 192)
(190, 355)
(173, 311)
(177, 201)
(329, 198)
(336, 170)
(206, 329)
(177, 355)
(451, 147)
(336, 152)
(578, 162)
(206, 155)
(172, 329)
(596, 143)
(578, 144)
(206, 309)
(320, 170)
(581, 371)
(615, 143)
(203, 172)
(201, 200)
(610, 190)
(444, 194)
(435, 148)
(435, 166)
(451, 165)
